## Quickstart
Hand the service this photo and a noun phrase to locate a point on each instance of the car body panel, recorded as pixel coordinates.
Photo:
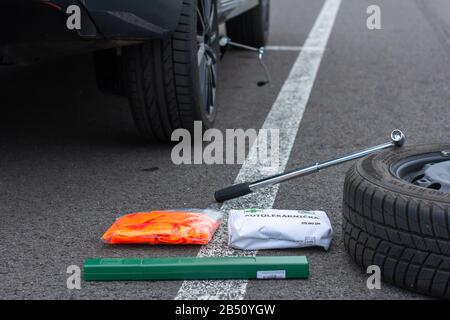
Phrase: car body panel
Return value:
(134, 19)
(37, 28)
(232, 8)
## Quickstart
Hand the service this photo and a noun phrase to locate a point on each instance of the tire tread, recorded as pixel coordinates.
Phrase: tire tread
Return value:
(158, 74)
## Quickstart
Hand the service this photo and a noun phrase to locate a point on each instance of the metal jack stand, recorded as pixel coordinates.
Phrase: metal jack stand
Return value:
(225, 41)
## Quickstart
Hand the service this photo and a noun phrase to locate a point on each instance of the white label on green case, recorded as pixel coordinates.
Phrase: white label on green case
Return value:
(271, 274)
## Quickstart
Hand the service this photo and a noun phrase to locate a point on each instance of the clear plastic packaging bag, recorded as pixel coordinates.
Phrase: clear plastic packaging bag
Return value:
(178, 226)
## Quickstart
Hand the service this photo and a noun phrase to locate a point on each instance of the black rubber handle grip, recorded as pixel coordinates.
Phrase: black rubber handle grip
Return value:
(231, 192)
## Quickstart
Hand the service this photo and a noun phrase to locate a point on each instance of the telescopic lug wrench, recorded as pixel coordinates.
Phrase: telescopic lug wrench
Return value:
(225, 41)
(235, 191)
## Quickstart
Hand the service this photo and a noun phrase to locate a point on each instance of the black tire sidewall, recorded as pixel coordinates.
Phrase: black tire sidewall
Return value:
(251, 27)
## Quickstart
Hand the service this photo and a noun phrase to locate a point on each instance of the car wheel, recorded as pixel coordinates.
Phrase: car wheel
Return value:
(396, 212)
(252, 27)
(172, 82)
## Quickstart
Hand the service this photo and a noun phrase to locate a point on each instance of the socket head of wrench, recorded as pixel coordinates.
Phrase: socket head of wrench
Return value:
(398, 138)
(224, 41)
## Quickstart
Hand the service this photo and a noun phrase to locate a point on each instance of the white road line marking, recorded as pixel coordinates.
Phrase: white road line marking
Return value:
(292, 48)
(285, 115)
(284, 48)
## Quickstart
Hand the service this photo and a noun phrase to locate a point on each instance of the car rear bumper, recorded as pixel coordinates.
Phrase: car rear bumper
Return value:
(134, 19)
(35, 28)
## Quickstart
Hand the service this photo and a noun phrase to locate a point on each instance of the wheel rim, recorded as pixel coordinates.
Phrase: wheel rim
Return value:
(429, 171)
(206, 53)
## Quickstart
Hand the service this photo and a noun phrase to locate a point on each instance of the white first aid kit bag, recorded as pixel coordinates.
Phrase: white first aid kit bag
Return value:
(256, 229)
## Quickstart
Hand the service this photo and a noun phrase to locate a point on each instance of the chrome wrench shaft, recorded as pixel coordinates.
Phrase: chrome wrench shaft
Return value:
(239, 190)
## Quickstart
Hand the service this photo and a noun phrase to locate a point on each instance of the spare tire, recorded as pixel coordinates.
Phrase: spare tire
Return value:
(396, 212)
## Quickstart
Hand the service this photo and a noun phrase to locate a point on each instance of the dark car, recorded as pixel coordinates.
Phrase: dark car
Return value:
(162, 54)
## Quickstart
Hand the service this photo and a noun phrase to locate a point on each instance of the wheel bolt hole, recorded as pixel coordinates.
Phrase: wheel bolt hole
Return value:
(435, 186)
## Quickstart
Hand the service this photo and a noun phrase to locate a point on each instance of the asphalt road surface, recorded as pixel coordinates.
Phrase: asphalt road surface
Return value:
(71, 160)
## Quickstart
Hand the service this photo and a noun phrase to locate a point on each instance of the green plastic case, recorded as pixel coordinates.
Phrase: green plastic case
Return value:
(114, 269)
